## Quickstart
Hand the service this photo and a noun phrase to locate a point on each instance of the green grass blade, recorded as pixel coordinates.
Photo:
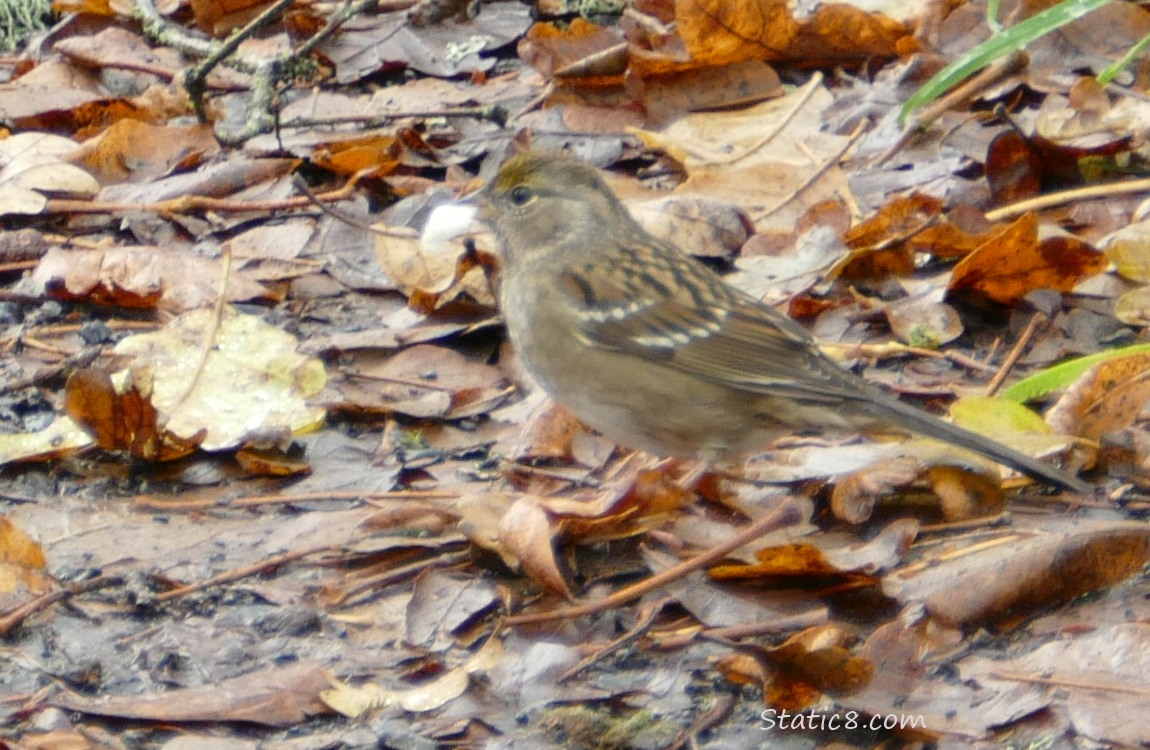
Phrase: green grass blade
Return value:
(998, 46)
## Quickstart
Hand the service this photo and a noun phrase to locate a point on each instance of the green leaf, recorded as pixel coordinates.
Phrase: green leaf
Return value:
(995, 416)
(1062, 375)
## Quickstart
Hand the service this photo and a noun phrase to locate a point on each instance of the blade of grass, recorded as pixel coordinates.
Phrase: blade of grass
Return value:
(1107, 75)
(1015, 37)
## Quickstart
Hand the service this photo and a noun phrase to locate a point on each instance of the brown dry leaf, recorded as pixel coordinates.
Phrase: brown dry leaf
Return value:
(61, 438)
(252, 385)
(442, 603)
(60, 739)
(1133, 307)
(234, 177)
(637, 500)
(139, 277)
(898, 648)
(930, 701)
(880, 246)
(964, 495)
(776, 278)
(742, 669)
(854, 497)
(790, 561)
(417, 269)
(52, 88)
(480, 517)
(1105, 399)
(372, 43)
(22, 565)
(967, 485)
(581, 50)
(549, 433)
(271, 462)
(1104, 674)
(373, 155)
(1009, 574)
(552, 432)
(33, 168)
(526, 532)
(134, 151)
(669, 95)
(1128, 248)
(701, 226)
(714, 605)
(93, 7)
(1013, 168)
(718, 33)
(798, 673)
(722, 31)
(1016, 262)
(221, 16)
(1058, 166)
(271, 252)
(420, 381)
(124, 419)
(924, 320)
(816, 462)
(116, 47)
(816, 659)
(759, 157)
(960, 235)
(825, 556)
(278, 697)
(352, 701)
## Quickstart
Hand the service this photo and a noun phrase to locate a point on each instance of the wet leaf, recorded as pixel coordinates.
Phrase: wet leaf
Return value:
(278, 696)
(252, 386)
(1106, 398)
(1016, 262)
(1011, 574)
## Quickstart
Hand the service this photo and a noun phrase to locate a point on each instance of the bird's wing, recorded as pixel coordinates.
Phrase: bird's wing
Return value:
(686, 316)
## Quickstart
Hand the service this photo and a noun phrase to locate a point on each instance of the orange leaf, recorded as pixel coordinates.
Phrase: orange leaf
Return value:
(1015, 263)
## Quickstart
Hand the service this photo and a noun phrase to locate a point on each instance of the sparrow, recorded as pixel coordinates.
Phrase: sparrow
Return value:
(653, 349)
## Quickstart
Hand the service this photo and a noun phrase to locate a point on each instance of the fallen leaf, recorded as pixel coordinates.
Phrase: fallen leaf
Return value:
(253, 385)
(1010, 574)
(1016, 262)
(278, 697)
(1106, 399)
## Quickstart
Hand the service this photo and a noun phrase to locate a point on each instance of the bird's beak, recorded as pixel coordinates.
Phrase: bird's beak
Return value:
(479, 199)
(446, 223)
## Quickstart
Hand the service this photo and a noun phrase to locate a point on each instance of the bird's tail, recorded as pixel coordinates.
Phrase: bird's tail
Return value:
(930, 426)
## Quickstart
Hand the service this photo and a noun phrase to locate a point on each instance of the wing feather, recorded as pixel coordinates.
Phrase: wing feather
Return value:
(686, 316)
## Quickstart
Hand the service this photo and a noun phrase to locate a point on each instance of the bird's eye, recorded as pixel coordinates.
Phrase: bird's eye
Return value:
(521, 196)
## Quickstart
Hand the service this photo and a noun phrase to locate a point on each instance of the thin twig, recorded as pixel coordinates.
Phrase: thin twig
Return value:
(195, 78)
(720, 709)
(959, 95)
(1126, 187)
(1054, 681)
(646, 617)
(240, 573)
(193, 203)
(804, 95)
(818, 173)
(208, 343)
(1015, 354)
(786, 514)
(11, 619)
(395, 575)
(149, 502)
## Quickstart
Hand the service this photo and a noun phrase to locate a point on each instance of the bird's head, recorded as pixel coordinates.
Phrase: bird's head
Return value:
(541, 202)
